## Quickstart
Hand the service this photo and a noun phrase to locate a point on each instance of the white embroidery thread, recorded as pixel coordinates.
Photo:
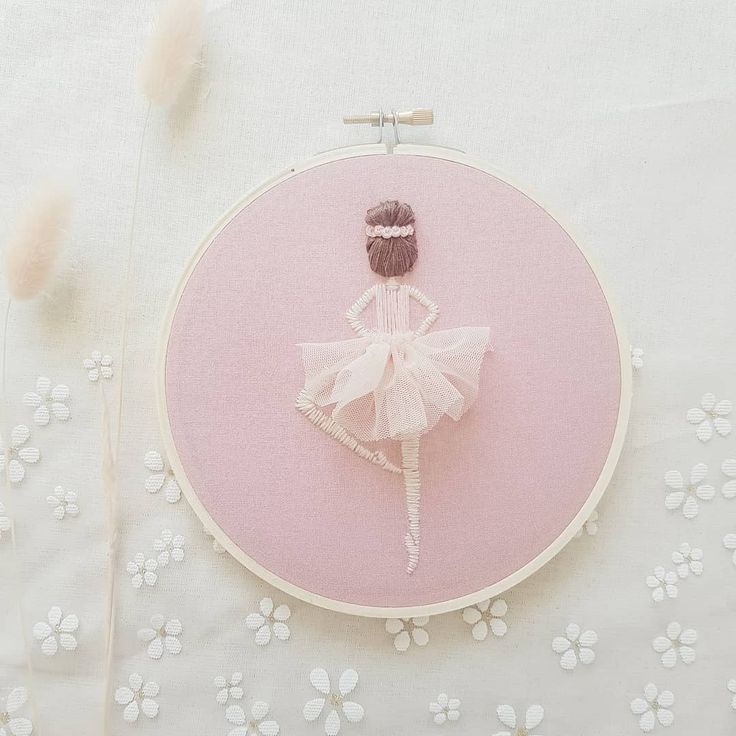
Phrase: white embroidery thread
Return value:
(48, 402)
(710, 415)
(729, 542)
(162, 635)
(408, 630)
(228, 688)
(64, 503)
(5, 524)
(161, 476)
(662, 583)
(686, 496)
(575, 646)
(487, 616)
(445, 709)
(98, 366)
(532, 718)
(653, 707)
(677, 642)
(256, 724)
(688, 560)
(56, 631)
(137, 696)
(15, 457)
(412, 488)
(17, 725)
(142, 570)
(328, 425)
(728, 467)
(269, 619)
(352, 711)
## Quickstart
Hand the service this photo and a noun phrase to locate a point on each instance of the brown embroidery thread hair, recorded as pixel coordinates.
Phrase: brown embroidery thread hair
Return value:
(393, 256)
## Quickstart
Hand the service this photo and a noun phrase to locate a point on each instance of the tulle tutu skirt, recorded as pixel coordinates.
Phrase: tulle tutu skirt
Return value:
(396, 385)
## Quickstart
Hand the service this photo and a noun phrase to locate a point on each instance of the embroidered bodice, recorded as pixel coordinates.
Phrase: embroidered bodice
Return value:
(392, 310)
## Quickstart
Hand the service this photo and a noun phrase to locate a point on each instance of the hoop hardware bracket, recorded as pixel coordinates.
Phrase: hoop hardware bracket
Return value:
(381, 119)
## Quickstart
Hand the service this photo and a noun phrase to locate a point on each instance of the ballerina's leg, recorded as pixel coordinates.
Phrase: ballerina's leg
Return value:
(412, 487)
(327, 424)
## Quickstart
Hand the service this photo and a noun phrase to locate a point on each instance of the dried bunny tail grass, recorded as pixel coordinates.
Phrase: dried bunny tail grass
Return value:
(32, 250)
(28, 262)
(172, 51)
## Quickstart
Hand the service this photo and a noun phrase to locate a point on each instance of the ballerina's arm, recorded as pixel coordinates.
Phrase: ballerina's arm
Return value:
(353, 314)
(432, 310)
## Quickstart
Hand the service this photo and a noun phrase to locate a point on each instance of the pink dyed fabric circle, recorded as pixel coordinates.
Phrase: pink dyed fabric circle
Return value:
(499, 486)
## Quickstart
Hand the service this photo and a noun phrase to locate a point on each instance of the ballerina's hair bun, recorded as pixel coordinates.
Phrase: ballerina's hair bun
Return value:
(392, 244)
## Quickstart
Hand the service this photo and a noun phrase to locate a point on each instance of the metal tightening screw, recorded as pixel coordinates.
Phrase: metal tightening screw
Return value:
(419, 116)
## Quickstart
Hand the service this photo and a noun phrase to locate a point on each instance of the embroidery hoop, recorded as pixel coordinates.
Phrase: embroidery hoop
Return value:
(403, 611)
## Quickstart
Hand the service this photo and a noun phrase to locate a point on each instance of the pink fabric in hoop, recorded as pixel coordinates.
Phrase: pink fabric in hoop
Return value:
(500, 486)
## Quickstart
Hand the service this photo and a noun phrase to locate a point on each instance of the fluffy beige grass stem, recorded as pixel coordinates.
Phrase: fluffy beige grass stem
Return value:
(28, 264)
(110, 442)
(172, 52)
(33, 247)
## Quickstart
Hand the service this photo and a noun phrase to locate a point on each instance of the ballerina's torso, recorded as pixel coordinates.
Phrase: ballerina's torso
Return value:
(392, 308)
(392, 312)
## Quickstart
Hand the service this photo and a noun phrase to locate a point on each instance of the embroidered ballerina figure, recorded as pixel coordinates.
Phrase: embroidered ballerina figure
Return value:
(391, 382)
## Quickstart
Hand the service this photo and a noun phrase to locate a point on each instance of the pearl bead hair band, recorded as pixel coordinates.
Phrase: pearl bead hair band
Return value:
(387, 231)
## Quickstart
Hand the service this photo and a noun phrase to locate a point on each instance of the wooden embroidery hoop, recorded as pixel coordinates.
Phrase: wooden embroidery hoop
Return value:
(398, 149)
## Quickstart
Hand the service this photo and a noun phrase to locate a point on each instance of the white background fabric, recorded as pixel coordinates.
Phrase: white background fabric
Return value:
(619, 116)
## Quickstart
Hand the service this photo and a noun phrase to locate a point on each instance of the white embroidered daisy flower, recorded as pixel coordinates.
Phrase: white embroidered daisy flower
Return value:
(729, 542)
(590, 527)
(685, 496)
(676, 643)
(48, 402)
(5, 523)
(255, 724)
(731, 686)
(137, 696)
(653, 707)
(729, 470)
(17, 455)
(352, 711)
(445, 709)
(56, 631)
(228, 688)
(532, 718)
(63, 503)
(269, 619)
(710, 415)
(662, 584)
(637, 358)
(161, 636)
(487, 616)
(216, 546)
(98, 366)
(12, 724)
(408, 630)
(688, 560)
(170, 546)
(575, 646)
(161, 476)
(142, 570)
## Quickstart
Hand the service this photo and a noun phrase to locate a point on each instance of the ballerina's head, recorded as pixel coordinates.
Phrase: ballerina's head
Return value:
(392, 244)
